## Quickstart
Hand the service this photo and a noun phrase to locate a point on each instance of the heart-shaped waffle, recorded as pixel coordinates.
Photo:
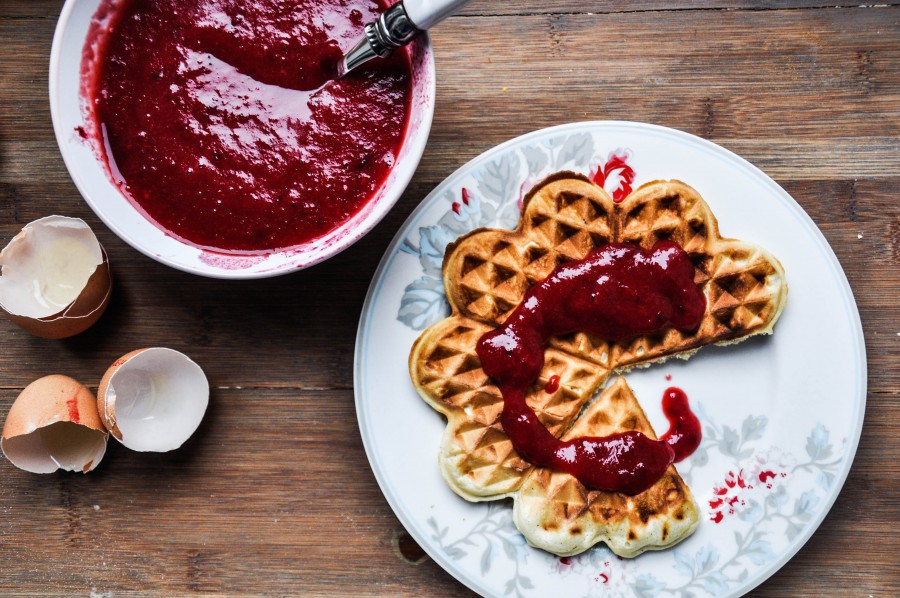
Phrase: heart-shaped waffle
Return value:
(554, 511)
(487, 272)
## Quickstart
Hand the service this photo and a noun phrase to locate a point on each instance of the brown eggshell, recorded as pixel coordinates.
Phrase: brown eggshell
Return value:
(161, 396)
(107, 409)
(51, 401)
(80, 315)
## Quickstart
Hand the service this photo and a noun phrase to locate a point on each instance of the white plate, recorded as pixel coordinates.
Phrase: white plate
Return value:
(790, 405)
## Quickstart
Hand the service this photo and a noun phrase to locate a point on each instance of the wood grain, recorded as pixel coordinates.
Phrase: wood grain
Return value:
(274, 494)
(49, 9)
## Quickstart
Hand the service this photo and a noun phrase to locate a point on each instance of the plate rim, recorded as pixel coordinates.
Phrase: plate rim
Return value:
(779, 192)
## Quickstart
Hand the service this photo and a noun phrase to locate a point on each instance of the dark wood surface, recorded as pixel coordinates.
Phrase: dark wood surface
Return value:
(274, 495)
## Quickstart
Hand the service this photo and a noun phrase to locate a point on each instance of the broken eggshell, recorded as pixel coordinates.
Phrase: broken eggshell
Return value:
(54, 278)
(153, 399)
(54, 424)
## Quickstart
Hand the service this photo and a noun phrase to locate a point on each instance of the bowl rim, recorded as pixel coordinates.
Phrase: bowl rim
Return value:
(378, 209)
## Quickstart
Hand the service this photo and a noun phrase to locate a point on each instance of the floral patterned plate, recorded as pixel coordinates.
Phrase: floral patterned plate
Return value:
(781, 415)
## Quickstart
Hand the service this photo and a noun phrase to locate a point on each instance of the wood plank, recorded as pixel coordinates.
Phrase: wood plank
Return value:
(47, 9)
(708, 76)
(835, 159)
(505, 8)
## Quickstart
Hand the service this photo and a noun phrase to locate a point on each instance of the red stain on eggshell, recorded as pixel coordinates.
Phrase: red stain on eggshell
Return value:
(72, 404)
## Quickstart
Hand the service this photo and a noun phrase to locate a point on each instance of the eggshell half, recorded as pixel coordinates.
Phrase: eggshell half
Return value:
(54, 424)
(153, 399)
(22, 277)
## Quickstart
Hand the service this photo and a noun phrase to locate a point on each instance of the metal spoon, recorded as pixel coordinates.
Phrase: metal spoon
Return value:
(396, 27)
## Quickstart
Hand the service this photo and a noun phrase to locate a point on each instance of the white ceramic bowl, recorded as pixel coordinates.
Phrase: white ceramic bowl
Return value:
(89, 173)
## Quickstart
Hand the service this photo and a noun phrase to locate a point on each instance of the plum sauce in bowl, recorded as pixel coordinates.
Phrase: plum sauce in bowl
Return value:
(212, 136)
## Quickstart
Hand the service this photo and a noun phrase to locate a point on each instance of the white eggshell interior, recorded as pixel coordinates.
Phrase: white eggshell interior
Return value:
(160, 397)
(47, 265)
(61, 445)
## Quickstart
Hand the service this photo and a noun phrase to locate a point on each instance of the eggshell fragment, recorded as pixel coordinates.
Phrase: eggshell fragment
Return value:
(54, 278)
(54, 424)
(153, 399)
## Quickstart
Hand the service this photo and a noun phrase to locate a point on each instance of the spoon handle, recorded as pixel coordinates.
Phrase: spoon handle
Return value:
(396, 27)
(425, 14)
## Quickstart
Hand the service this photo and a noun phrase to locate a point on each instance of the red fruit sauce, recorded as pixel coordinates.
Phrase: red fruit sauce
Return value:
(552, 385)
(72, 405)
(684, 428)
(617, 292)
(222, 121)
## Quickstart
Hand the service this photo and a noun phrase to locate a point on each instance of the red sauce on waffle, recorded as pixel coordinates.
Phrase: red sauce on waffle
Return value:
(223, 122)
(617, 292)
(552, 385)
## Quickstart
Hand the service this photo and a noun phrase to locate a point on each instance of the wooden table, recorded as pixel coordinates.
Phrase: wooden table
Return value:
(274, 495)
